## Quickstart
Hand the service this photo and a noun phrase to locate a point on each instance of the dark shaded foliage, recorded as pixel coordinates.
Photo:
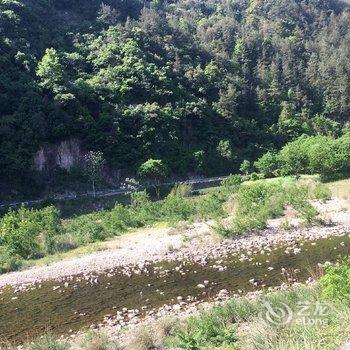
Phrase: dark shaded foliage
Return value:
(201, 85)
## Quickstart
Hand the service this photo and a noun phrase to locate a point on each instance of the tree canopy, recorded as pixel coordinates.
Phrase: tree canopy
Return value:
(200, 84)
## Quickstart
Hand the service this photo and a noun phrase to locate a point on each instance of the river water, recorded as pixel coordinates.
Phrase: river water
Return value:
(66, 306)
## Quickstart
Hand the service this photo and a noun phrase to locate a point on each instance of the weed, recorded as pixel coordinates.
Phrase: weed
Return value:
(98, 341)
(47, 342)
(141, 339)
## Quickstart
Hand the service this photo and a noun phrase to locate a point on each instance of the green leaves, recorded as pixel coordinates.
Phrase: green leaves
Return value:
(202, 86)
(50, 70)
(30, 233)
(335, 284)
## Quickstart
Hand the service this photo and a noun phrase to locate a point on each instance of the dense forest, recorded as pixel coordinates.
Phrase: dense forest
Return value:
(199, 84)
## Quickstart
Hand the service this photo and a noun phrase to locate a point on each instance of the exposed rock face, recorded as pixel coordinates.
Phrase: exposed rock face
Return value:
(65, 155)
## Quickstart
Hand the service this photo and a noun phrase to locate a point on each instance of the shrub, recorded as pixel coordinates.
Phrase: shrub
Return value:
(253, 207)
(243, 223)
(119, 219)
(8, 261)
(254, 177)
(323, 156)
(50, 227)
(269, 164)
(175, 208)
(86, 229)
(257, 202)
(294, 156)
(232, 182)
(309, 154)
(298, 196)
(335, 284)
(146, 214)
(30, 233)
(212, 205)
(245, 167)
(139, 198)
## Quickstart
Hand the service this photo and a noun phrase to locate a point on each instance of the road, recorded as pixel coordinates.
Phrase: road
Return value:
(107, 193)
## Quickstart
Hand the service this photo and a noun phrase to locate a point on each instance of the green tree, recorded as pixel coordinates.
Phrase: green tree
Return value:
(224, 149)
(94, 162)
(50, 70)
(153, 171)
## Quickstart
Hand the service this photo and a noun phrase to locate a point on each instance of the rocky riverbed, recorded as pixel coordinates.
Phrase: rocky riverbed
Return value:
(145, 278)
(124, 295)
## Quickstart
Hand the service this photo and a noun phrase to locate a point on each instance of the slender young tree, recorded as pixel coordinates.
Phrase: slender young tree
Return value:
(94, 162)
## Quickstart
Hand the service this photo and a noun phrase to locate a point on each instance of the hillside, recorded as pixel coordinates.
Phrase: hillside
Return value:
(201, 85)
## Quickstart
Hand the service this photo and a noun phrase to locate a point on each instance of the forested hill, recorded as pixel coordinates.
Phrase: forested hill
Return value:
(200, 84)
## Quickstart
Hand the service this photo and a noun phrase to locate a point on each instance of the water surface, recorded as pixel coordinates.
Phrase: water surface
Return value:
(63, 308)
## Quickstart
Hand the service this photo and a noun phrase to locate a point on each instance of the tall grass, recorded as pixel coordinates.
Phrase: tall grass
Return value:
(241, 323)
(47, 342)
(94, 340)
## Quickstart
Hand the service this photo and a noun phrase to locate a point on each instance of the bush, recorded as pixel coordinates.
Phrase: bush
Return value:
(323, 156)
(297, 197)
(86, 229)
(257, 202)
(253, 206)
(309, 154)
(212, 205)
(119, 219)
(175, 208)
(294, 156)
(30, 233)
(8, 261)
(254, 177)
(139, 198)
(335, 284)
(269, 164)
(50, 227)
(243, 223)
(232, 182)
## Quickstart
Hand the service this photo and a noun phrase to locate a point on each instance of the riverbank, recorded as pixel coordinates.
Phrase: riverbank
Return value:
(292, 318)
(193, 242)
(121, 298)
(160, 272)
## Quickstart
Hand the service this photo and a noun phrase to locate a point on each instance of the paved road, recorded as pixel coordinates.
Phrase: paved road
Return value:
(108, 193)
